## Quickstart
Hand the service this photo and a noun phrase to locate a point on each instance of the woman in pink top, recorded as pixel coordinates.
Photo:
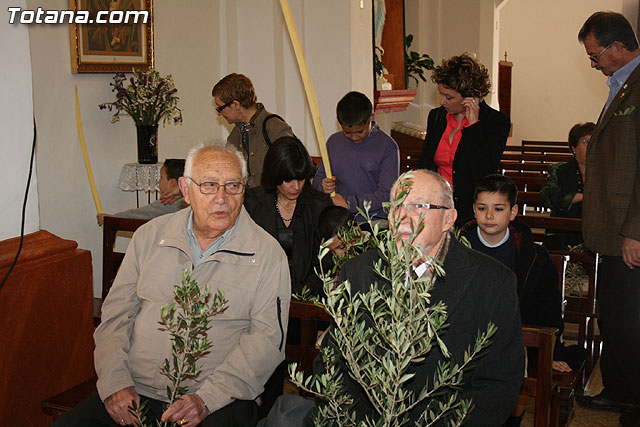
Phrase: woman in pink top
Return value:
(465, 137)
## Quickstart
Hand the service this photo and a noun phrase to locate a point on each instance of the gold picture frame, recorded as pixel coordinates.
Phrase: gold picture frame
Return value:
(111, 47)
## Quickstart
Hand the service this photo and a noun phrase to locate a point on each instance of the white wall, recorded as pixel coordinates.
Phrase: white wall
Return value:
(553, 85)
(444, 28)
(16, 122)
(199, 42)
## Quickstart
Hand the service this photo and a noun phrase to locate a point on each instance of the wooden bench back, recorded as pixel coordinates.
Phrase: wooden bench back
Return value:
(583, 310)
(533, 143)
(538, 384)
(111, 259)
(536, 149)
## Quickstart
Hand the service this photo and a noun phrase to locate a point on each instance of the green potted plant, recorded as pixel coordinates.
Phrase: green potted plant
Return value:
(415, 63)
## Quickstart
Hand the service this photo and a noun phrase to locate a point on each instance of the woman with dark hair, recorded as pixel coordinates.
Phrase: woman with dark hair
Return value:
(287, 207)
(562, 191)
(465, 137)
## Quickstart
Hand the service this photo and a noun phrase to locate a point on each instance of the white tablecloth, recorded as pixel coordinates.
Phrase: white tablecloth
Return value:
(138, 177)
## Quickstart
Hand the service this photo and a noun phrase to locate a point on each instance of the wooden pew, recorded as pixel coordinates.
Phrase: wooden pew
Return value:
(530, 200)
(536, 149)
(410, 148)
(518, 166)
(527, 182)
(539, 223)
(311, 317)
(548, 158)
(46, 324)
(539, 383)
(111, 260)
(532, 143)
(583, 310)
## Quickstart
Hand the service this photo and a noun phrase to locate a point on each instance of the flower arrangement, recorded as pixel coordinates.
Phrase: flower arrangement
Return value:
(148, 98)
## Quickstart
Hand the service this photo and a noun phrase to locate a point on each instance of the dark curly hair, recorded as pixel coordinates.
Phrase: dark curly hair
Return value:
(464, 74)
(578, 131)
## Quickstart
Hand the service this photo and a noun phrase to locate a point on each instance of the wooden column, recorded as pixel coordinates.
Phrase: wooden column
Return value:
(504, 86)
(393, 42)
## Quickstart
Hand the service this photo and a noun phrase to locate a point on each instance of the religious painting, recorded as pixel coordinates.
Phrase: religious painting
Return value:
(109, 36)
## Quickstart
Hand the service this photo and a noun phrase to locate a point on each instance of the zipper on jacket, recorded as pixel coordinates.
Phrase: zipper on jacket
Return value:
(279, 307)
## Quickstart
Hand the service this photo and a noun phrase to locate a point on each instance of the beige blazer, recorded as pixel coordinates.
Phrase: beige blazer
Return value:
(611, 206)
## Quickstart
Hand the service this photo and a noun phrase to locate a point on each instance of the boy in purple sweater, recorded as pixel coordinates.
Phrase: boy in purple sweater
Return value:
(365, 161)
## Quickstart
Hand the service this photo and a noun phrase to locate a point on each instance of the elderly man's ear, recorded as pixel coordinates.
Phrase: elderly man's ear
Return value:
(450, 216)
(184, 188)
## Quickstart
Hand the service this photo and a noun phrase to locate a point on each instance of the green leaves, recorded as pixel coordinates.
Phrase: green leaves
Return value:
(379, 336)
(415, 63)
(187, 320)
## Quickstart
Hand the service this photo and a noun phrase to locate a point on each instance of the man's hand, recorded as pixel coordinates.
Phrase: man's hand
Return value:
(117, 405)
(188, 411)
(339, 200)
(170, 197)
(577, 198)
(556, 365)
(631, 252)
(100, 218)
(329, 185)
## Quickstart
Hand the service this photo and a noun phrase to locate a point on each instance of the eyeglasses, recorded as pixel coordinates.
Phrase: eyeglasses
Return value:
(420, 207)
(222, 107)
(213, 187)
(594, 58)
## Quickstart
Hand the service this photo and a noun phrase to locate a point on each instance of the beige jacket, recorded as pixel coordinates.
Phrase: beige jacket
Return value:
(248, 338)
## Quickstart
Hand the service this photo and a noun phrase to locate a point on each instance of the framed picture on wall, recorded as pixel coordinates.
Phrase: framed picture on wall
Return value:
(111, 36)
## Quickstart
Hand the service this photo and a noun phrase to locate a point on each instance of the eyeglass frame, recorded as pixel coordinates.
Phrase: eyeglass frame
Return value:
(221, 108)
(595, 58)
(418, 206)
(242, 186)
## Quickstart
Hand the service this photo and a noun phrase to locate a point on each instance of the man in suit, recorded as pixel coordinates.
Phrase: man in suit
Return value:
(611, 209)
(476, 290)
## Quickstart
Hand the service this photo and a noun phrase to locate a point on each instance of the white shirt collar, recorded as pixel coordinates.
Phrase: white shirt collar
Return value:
(489, 245)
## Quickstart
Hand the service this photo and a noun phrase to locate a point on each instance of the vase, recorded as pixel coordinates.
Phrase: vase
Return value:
(147, 144)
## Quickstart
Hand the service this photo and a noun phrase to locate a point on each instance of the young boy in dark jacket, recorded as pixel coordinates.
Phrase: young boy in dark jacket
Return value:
(494, 233)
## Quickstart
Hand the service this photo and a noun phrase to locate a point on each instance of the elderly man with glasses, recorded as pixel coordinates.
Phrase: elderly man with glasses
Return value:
(475, 289)
(219, 244)
(255, 128)
(611, 210)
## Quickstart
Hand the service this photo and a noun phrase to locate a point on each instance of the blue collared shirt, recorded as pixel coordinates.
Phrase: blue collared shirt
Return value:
(617, 79)
(196, 252)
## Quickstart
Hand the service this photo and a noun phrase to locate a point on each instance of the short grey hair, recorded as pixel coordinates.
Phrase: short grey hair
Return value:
(446, 193)
(215, 146)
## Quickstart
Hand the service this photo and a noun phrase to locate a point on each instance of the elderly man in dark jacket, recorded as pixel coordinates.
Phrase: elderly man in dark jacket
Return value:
(476, 290)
